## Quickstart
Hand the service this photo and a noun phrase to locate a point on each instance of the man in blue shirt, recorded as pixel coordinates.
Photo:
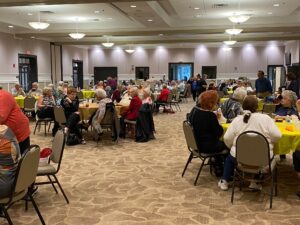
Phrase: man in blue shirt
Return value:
(262, 85)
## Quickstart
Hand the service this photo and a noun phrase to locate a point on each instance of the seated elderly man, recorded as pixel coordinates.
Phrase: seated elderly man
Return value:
(35, 91)
(287, 105)
(132, 112)
(101, 97)
(17, 90)
(232, 107)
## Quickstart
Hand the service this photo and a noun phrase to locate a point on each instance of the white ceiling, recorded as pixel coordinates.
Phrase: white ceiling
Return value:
(175, 23)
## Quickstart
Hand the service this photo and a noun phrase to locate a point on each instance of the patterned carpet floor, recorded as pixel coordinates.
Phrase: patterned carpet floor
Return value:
(140, 184)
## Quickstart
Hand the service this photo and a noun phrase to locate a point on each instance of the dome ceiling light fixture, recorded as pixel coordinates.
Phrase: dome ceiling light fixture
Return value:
(229, 42)
(233, 31)
(77, 35)
(39, 25)
(129, 50)
(108, 44)
(239, 18)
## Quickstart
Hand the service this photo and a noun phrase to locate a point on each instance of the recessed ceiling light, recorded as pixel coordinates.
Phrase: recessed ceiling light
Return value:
(196, 8)
(161, 35)
(199, 15)
(109, 18)
(270, 13)
(10, 26)
(133, 6)
(276, 4)
(32, 37)
(149, 20)
(29, 14)
(96, 11)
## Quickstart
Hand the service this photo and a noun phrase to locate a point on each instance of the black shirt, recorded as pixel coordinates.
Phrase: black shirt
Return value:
(207, 130)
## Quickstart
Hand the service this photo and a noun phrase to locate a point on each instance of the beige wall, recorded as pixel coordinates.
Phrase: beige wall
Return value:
(293, 48)
(240, 61)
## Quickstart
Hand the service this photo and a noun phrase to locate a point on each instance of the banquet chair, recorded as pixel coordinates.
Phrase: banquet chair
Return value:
(171, 101)
(41, 121)
(269, 108)
(59, 116)
(48, 169)
(185, 94)
(22, 186)
(254, 163)
(29, 105)
(196, 153)
(80, 96)
(220, 94)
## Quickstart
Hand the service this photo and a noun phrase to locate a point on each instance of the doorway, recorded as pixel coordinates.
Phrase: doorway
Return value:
(276, 74)
(27, 70)
(181, 71)
(101, 73)
(142, 72)
(77, 73)
(210, 71)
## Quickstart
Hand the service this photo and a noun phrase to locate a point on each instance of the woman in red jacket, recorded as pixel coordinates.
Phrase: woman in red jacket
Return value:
(132, 112)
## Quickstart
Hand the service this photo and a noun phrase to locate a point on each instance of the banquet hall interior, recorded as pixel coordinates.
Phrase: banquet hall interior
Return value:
(84, 41)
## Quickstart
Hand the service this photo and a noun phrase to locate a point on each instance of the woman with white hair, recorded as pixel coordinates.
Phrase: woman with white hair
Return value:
(287, 105)
(232, 107)
(101, 97)
(147, 96)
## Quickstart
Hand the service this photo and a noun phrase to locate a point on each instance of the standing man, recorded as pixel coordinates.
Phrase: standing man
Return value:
(262, 85)
(12, 116)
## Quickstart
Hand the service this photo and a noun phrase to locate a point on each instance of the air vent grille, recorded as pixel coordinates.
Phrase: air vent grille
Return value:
(219, 6)
(46, 12)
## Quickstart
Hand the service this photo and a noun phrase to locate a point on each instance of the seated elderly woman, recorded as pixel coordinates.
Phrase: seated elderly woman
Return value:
(147, 96)
(101, 97)
(251, 120)
(132, 112)
(162, 98)
(207, 129)
(9, 158)
(232, 107)
(287, 105)
(45, 107)
(70, 103)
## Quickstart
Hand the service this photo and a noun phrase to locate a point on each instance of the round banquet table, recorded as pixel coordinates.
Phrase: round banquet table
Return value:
(290, 140)
(87, 110)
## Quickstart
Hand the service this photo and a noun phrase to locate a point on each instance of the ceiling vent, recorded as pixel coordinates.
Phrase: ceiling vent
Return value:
(219, 6)
(46, 12)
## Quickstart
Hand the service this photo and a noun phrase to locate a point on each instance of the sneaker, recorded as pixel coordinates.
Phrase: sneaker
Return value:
(223, 185)
(83, 142)
(254, 186)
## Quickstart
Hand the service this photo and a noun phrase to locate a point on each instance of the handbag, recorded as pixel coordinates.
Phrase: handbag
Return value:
(72, 139)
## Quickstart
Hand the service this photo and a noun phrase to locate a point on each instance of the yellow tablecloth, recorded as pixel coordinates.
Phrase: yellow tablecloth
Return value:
(88, 93)
(290, 140)
(260, 103)
(20, 100)
(87, 110)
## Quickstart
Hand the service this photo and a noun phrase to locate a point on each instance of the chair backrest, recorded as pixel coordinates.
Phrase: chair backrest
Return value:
(80, 95)
(189, 136)
(252, 149)
(27, 169)
(109, 114)
(170, 97)
(221, 94)
(59, 115)
(58, 146)
(269, 108)
(29, 103)
(177, 96)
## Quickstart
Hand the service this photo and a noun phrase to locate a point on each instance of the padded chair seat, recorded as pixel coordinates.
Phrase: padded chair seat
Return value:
(28, 109)
(17, 197)
(130, 121)
(46, 169)
(45, 119)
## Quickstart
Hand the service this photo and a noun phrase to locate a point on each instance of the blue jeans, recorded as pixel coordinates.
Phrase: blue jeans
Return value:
(228, 167)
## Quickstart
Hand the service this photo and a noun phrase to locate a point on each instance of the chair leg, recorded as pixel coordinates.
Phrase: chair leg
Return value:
(52, 184)
(202, 164)
(276, 177)
(6, 215)
(61, 189)
(233, 186)
(36, 124)
(46, 128)
(178, 106)
(187, 163)
(37, 209)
